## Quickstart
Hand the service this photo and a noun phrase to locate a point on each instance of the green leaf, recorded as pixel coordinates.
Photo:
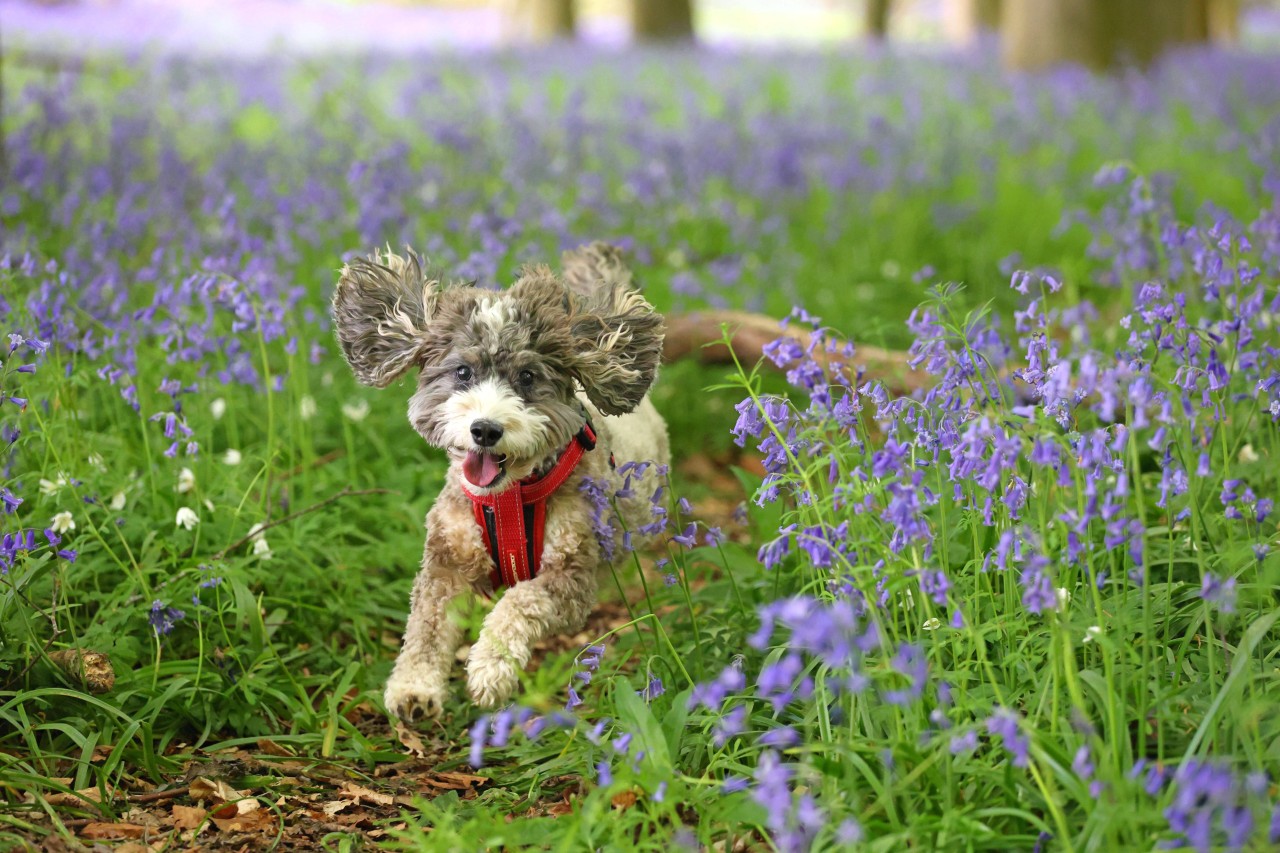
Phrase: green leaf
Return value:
(1244, 657)
(674, 721)
(637, 718)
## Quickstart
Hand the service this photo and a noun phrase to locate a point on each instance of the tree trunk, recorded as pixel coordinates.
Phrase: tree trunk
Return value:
(1224, 21)
(1099, 34)
(986, 15)
(548, 20)
(659, 20)
(876, 19)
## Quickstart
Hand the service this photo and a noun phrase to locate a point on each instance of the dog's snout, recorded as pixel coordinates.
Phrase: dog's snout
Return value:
(486, 432)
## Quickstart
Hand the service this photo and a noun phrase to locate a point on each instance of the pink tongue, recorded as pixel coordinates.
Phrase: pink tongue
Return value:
(480, 469)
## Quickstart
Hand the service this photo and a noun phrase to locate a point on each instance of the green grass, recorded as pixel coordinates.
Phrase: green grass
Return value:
(294, 647)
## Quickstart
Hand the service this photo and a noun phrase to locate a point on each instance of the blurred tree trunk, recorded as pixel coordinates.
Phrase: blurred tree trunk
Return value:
(1099, 34)
(986, 15)
(1224, 21)
(548, 20)
(876, 19)
(662, 19)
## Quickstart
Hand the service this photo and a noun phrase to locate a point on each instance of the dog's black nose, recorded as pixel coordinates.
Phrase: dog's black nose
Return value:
(486, 433)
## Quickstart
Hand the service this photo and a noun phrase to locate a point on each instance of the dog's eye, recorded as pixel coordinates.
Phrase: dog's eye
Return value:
(525, 378)
(464, 373)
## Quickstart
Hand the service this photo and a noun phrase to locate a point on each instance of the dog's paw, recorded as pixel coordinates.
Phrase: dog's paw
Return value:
(414, 700)
(492, 677)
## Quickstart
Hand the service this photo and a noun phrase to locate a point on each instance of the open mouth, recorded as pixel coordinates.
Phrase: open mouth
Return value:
(481, 468)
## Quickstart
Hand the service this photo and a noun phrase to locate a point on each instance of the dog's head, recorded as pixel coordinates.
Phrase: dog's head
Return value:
(499, 370)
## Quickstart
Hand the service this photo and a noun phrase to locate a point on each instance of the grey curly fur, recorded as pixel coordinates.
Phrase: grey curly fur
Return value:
(586, 327)
(381, 308)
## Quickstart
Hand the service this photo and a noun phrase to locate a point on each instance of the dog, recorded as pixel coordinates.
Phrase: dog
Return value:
(530, 391)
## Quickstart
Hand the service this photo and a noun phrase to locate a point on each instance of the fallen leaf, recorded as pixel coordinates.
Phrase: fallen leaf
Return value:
(624, 799)
(203, 788)
(83, 798)
(226, 811)
(257, 820)
(410, 740)
(269, 747)
(332, 808)
(359, 792)
(96, 831)
(188, 817)
(456, 781)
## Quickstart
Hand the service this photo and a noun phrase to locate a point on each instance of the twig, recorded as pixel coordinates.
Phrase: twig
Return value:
(153, 796)
(345, 493)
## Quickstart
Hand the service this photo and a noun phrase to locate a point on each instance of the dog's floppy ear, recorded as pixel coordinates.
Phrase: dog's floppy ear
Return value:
(381, 308)
(616, 334)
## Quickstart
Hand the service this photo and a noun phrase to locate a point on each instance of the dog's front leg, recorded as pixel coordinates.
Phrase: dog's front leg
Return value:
(452, 562)
(419, 684)
(558, 600)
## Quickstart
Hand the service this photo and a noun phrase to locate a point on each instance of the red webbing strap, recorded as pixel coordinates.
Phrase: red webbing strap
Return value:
(511, 554)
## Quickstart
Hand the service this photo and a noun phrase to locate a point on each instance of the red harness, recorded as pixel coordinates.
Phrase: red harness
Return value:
(513, 521)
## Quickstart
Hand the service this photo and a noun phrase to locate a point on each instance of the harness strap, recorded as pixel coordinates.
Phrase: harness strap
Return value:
(513, 522)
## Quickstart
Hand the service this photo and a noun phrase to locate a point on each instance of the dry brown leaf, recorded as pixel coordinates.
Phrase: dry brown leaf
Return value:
(624, 799)
(410, 740)
(83, 798)
(456, 781)
(335, 806)
(188, 817)
(98, 831)
(269, 747)
(257, 820)
(359, 793)
(203, 788)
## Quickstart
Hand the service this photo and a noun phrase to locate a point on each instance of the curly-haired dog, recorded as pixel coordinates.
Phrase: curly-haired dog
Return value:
(529, 390)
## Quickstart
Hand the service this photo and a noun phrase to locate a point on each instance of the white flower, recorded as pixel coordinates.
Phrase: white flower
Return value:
(95, 460)
(1091, 633)
(186, 480)
(187, 518)
(932, 624)
(1248, 454)
(326, 379)
(255, 532)
(118, 500)
(909, 604)
(890, 269)
(63, 523)
(261, 548)
(307, 407)
(218, 408)
(356, 411)
(231, 457)
(1064, 597)
(52, 487)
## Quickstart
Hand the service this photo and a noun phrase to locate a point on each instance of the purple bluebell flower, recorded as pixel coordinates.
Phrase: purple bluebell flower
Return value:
(163, 618)
(1221, 593)
(1007, 725)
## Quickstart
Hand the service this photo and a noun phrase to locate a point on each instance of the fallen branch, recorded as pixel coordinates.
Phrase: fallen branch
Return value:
(91, 669)
(154, 796)
(698, 335)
